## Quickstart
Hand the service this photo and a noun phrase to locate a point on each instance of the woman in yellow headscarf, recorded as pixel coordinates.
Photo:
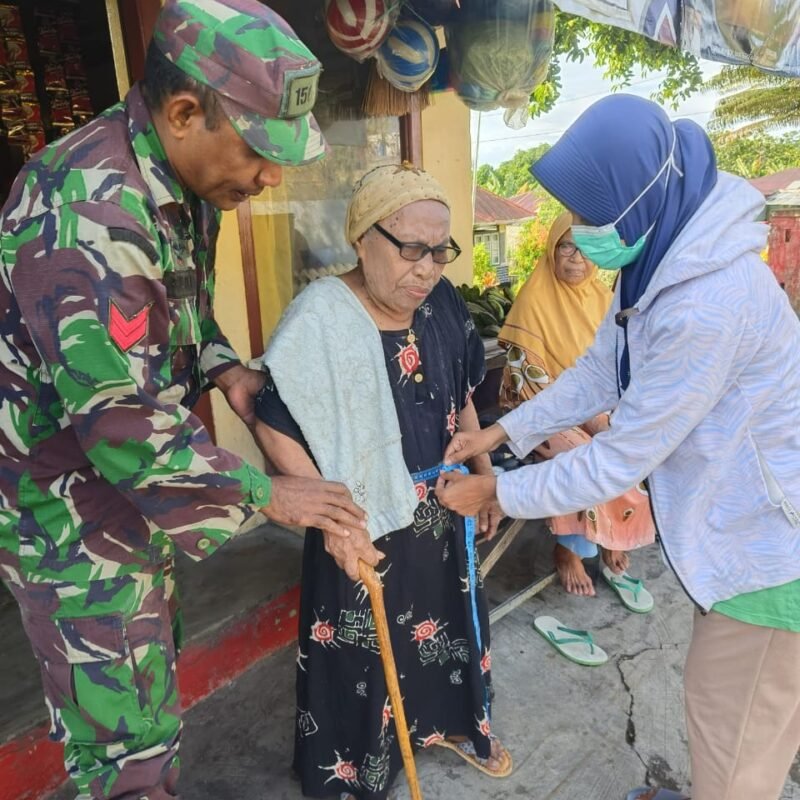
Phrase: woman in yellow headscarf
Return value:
(552, 322)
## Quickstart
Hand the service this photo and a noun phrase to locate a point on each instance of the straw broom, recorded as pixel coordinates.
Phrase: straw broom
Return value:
(382, 99)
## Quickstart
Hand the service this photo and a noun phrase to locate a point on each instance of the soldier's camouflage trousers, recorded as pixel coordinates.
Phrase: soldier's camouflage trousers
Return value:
(107, 654)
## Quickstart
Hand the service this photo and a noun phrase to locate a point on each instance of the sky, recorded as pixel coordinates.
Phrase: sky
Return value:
(582, 84)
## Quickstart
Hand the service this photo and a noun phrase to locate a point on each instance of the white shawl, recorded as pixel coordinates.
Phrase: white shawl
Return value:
(328, 364)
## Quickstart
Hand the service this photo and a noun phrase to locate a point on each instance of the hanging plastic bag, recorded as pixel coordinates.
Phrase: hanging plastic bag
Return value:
(764, 33)
(499, 52)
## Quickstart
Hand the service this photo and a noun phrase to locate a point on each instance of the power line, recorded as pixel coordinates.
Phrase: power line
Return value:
(603, 93)
(557, 131)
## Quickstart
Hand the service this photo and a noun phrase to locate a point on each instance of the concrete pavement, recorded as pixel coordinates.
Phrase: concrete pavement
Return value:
(576, 733)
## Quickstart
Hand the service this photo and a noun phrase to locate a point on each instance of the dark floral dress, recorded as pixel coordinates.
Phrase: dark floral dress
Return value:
(345, 738)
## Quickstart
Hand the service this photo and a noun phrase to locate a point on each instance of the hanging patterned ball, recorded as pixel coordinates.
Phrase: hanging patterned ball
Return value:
(409, 55)
(358, 27)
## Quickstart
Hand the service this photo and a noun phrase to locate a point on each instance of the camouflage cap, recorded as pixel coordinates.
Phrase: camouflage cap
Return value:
(265, 77)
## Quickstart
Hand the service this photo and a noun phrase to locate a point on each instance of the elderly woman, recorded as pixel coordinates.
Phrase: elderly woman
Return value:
(371, 374)
(701, 362)
(552, 322)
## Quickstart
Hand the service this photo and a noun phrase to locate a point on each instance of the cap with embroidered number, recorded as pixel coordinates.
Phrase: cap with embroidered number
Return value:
(265, 77)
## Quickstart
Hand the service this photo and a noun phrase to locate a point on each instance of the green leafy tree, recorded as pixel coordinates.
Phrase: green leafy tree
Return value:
(513, 176)
(533, 240)
(488, 178)
(622, 55)
(756, 102)
(483, 274)
(756, 155)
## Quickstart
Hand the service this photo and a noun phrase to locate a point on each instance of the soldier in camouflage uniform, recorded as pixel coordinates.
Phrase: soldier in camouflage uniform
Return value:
(107, 339)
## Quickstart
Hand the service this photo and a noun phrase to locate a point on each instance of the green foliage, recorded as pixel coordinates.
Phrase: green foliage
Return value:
(483, 273)
(512, 176)
(756, 155)
(756, 102)
(622, 55)
(533, 240)
(488, 307)
(487, 178)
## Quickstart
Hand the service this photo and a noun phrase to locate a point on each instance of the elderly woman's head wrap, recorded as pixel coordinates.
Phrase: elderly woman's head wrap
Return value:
(384, 191)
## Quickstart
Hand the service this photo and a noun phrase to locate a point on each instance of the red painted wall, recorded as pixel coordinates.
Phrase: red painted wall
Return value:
(784, 252)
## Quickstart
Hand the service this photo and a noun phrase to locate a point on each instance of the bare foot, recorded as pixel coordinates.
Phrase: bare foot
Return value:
(498, 756)
(617, 561)
(572, 573)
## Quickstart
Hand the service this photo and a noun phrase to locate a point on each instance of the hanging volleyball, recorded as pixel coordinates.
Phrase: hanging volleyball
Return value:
(358, 27)
(409, 56)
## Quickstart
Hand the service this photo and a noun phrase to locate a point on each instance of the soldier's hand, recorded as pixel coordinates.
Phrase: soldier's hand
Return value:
(315, 503)
(347, 552)
(240, 386)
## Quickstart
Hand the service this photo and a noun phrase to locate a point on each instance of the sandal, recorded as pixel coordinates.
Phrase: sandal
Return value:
(631, 591)
(577, 646)
(467, 751)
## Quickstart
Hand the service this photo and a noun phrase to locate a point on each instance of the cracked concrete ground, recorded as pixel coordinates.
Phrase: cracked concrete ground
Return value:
(576, 733)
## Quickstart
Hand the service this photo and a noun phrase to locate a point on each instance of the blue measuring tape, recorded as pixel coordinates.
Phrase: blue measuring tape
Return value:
(469, 528)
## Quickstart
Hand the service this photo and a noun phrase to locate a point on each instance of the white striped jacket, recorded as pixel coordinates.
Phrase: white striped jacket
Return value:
(711, 416)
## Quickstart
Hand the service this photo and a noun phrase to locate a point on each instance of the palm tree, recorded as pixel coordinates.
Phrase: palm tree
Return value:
(755, 102)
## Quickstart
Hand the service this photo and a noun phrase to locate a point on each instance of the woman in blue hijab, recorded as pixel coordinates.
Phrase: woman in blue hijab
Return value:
(699, 360)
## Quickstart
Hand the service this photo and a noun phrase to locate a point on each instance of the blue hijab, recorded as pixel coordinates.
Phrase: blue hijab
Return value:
(605, 160)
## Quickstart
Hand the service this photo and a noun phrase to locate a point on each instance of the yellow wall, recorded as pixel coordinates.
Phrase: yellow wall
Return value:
(446, 154)
(230, 311)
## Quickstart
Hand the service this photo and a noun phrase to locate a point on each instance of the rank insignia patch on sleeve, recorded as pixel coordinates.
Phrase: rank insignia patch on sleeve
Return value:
(127, 331)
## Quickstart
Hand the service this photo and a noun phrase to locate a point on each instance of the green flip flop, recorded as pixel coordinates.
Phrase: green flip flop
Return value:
(630, 590)
(576, 645)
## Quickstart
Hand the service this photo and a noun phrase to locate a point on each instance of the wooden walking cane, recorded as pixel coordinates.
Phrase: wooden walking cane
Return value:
(375, 589)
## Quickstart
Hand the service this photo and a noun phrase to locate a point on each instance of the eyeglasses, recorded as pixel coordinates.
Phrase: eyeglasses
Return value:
(416, 251)
(568, 249)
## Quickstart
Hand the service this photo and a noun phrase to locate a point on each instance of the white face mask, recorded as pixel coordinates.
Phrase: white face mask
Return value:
(603, 245)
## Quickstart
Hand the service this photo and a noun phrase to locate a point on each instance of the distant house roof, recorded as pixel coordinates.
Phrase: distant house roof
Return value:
(790, 196)
(491, 209)
(770, 184)
(528, 200)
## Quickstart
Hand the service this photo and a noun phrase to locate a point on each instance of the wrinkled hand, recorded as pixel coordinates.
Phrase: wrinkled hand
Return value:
(240, 386)
(466, 494)
(314, 503)
(347, 552)
(489, 518)
(468, 444)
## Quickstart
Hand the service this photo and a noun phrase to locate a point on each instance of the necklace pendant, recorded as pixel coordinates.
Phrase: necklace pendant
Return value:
(411, 338)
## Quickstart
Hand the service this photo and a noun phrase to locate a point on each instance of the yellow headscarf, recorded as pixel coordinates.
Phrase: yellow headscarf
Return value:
(553, 319)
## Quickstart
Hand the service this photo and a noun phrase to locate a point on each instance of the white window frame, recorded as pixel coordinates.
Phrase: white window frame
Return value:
(491, 241)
